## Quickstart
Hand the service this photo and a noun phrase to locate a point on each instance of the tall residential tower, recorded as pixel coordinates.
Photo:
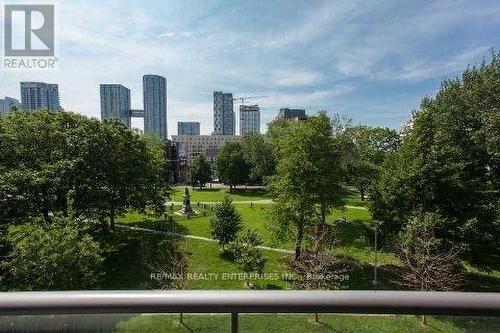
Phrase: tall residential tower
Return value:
(115, 103)
(188, 128)
(224, 120)
(40, 95)
(249, 119)
(287, 113)
(7, 104)
(155, 105)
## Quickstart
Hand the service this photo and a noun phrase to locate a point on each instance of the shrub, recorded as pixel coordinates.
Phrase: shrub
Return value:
(226, 223)
(56, 257)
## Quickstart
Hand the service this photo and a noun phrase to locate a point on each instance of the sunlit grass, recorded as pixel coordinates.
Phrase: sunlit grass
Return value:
(217, 194)
(299, 323)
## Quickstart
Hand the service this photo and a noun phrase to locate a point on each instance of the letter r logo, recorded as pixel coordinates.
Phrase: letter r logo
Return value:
(29, 30)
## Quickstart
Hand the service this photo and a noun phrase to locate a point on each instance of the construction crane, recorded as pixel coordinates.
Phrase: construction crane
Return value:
(243, 100)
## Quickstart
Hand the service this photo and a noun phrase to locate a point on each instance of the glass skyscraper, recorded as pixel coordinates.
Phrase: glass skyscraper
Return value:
(40, 95)
(224, 120)
(188, 128)
(155, 105)
(7, 104)
(115, 103)
(249, 119)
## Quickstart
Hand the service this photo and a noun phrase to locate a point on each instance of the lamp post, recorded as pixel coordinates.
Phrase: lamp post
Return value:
(376, 224)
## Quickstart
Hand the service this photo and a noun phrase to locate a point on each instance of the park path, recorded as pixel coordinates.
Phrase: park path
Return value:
(257, 202)
(206, 239)
(193, 202)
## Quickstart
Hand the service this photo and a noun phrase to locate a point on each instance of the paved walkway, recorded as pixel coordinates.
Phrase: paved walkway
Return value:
(257, 202)
(206, 239)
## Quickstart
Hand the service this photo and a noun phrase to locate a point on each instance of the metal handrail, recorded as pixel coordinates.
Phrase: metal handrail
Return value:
(375, 302)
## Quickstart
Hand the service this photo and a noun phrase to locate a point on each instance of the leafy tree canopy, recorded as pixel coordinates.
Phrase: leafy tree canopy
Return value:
(258, 153)
(64, 162)
(226, 223)
(201, 171)
(231, 164)
(449, 164)
(308, 177)
(56, 257)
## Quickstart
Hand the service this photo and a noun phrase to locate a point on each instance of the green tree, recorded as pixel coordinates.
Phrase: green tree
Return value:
(38, 154)
(201, 171)
(246, 253)
(366, 150)
(231, 165)
(65, 163)
(276, 130)
(156, 177)
(448, 164)
(362, 174)
(226, 223)
(120, 170)
(325, 154)
(258, 154)
(56, 257)
(307, 181)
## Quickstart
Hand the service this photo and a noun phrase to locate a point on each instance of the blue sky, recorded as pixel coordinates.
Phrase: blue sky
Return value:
(372, 61)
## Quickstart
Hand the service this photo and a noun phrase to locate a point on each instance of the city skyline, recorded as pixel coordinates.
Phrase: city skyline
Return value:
(249, 119)
(6, 104)
(155, 105)
(115, 103)
(343, 56)
(40, 95)
(224, 115)
(188, 128)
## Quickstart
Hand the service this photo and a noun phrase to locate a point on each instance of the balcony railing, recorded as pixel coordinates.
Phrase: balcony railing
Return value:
(235, 302)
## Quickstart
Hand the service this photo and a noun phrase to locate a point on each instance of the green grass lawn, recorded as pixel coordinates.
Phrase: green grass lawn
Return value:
(217, 194)
(354, 243)
(124, 268)
(205, 258)
(299, 323)
(355, 238)
(350, 195)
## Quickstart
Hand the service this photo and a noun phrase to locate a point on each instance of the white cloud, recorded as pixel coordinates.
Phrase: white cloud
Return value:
(300, 61)
(295, 78)
(302, 99)
(175, 34)
(431, 69)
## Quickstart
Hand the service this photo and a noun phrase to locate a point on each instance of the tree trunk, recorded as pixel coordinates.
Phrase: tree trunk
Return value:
(316, 317)
(63, 202)
(104, 225)
(46, 216)
(300, 235)
(46, 208)
(424, 318)
(362, 193)
(323, 216)
(112, 217)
